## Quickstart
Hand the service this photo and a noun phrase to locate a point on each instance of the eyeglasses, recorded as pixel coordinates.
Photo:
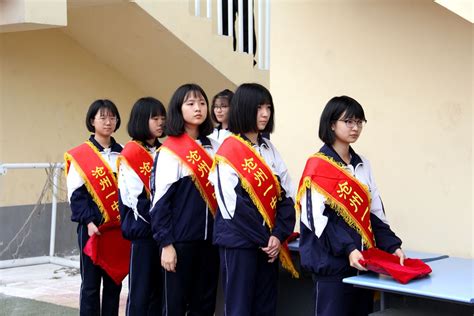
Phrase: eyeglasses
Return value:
(220, 107)
(352, 123)
(111, 119)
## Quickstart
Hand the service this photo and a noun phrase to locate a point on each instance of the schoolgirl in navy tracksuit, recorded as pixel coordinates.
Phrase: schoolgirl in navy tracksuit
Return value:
(329, 246)
(145, 126)
(181, 218)
(102, 119)
(248, 248)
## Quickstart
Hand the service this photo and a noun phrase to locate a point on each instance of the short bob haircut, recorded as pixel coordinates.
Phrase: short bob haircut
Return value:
(225, 94)
(244, 108)
(102, 106)
(144, 109)
(175, 120)
(338, 108)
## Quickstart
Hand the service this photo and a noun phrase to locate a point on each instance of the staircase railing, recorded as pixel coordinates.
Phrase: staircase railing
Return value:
(261, 33)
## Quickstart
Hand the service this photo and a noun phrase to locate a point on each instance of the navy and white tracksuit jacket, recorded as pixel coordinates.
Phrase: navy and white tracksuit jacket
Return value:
(134, 202)
(85, 210)
(250, 282)
(327, 240)
(238, 222)
(181, 217)
(144, 280)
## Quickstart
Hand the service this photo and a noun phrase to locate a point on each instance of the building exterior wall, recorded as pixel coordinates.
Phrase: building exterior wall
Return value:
(409, 63)
(48, 79)
(48, 83)
(26, 230)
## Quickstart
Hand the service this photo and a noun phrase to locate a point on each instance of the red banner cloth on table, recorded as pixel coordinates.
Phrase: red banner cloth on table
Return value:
(110, 251)
(384, 263)
(293, 236)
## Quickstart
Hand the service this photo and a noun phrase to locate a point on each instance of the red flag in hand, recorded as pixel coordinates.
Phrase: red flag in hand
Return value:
(110, 251)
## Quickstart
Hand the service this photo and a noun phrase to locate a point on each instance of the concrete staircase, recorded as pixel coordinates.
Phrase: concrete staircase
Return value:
(200, 34)
(149, 41)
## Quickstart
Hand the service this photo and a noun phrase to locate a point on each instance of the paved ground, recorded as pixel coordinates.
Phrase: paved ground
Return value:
(45, 289)
(50, 289)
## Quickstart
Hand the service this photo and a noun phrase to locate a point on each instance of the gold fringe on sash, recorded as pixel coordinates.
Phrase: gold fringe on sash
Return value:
(301, 190)
(68, 158)
(287, 264)
(195, 181)
(340, 209)
(278, 188)
(119, 160)
(286, 261)
(248, 188)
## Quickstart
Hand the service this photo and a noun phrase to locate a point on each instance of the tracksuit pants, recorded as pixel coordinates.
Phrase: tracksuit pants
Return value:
(92, 276)
(250, 282)
(145, 286)
(191, 290)
(334, 298)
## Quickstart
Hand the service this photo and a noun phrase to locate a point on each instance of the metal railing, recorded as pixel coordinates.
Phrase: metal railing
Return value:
(56, 167)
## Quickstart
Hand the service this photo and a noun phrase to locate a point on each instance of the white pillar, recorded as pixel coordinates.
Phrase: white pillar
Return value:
(230, 18)
(250, 26)
(209, 9)
(197, 7)
(267, 35)
(240, 40)
(219, 17)
(260, 34)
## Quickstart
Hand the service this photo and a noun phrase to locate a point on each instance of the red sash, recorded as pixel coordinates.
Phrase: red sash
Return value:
(259, 182)
(196, 158)
(99, 179)
(139, 159)
(343, 192)
(109, 250)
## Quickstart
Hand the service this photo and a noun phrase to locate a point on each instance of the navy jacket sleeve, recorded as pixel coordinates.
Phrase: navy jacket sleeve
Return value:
(385, 238)
(161, 218)
(335, 237)
(338, 241)
(285, 218)
(247, 221)
(123, 209)
(84, 210)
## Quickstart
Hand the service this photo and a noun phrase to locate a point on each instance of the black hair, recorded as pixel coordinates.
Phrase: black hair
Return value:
(338, 108)
(97, 106)
(224, 94)
(175, 120)
(144, 109)
(244, 108)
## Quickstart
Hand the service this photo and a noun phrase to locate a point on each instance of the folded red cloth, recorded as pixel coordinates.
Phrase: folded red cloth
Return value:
(110, 251)
(384, 263)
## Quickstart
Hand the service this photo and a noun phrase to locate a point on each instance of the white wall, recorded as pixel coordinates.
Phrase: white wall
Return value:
(23, 15)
